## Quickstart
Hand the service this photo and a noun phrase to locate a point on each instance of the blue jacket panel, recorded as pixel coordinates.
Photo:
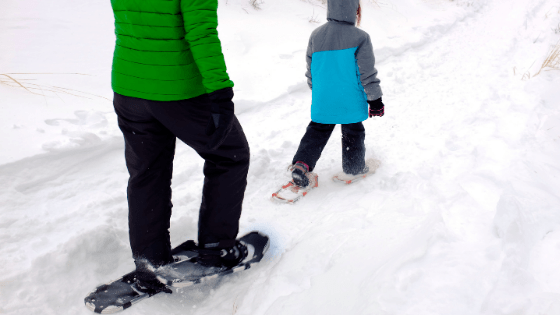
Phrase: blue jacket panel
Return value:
(338, 94)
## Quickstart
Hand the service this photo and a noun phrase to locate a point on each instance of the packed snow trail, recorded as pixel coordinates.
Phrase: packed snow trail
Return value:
(461, 218)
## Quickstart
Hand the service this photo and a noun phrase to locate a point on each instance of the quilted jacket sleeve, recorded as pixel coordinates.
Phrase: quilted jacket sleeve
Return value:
(201, 22)
(368, 73)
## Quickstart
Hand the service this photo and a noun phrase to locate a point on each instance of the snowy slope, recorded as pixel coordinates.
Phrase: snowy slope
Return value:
(463, 217)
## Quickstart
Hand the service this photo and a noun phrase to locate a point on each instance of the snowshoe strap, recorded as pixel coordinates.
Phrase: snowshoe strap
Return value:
(218, 245)
(301, 166)
(189, 245)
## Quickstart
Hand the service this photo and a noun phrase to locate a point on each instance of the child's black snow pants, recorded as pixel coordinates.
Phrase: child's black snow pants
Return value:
(317, 136)
(150, 129)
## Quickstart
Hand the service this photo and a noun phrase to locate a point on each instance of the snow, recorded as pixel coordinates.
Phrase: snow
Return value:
(462, 217)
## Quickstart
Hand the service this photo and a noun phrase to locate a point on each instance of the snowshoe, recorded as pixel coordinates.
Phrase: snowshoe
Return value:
(117, 296)
(291, 192)
(371, 166)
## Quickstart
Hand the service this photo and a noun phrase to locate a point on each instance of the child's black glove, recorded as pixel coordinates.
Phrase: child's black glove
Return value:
(221, 119)
(376, 108)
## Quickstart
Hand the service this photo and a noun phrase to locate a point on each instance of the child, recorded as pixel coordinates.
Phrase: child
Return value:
(342, 76)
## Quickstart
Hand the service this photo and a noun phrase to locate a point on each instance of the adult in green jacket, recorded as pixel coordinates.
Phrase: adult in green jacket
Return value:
(170, 81)
(167, 50)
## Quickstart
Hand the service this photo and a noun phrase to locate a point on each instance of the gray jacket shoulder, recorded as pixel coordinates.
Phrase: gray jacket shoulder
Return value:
(339, 36)
(336, 36)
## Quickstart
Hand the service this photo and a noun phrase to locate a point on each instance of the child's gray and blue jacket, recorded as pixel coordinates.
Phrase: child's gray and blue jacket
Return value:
(341, 67)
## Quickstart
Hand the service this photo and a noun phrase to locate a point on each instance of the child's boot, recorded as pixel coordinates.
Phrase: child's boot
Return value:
(302, 177)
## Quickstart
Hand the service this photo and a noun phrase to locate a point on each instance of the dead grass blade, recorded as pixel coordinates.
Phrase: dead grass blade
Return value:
(552, 61)
(16, 82)
(11, 81)
(255, 4)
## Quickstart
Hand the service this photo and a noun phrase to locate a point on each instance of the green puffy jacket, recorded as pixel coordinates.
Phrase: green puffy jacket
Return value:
(167, 50)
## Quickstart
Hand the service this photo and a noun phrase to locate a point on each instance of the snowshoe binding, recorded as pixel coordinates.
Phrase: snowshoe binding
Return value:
(213, 263)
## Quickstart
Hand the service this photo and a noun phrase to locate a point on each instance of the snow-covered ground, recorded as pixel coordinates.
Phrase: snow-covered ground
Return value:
(463, 217)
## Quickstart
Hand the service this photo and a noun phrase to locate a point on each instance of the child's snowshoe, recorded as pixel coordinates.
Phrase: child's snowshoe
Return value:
(371, 166)
(302, 182)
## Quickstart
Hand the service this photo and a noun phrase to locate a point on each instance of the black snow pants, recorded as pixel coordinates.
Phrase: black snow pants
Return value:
(317, 136)
(150, 129)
